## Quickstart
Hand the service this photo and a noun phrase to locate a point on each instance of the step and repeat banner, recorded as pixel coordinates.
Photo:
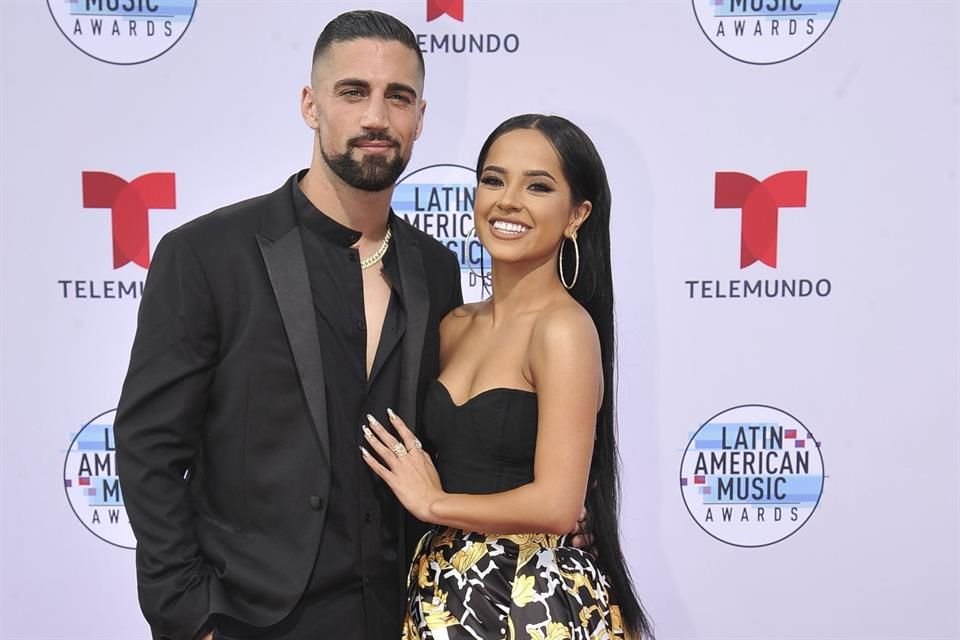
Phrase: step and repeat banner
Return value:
(785, 248)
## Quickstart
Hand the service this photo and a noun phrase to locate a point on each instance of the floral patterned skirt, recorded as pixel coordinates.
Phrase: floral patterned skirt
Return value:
(472, 586)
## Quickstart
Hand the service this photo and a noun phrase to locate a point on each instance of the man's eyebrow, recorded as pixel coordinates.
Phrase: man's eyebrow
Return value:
(363, 84)
(351, 82)
(400, 86)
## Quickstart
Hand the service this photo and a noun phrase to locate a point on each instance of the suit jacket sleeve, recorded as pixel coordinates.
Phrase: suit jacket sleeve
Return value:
(456, 291)
(157, 429)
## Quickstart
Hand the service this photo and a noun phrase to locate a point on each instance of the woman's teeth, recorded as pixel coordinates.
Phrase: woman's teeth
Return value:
(509, 227)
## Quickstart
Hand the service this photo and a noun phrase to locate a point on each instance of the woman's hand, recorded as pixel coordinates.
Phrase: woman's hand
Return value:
(406, 468)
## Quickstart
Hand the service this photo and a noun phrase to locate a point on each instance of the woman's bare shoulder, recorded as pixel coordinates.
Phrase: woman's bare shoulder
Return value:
(565, 324)
(455, 324)
(460, 317)
(564, 350)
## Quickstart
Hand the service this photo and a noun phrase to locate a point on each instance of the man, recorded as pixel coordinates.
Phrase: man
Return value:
(267, 330)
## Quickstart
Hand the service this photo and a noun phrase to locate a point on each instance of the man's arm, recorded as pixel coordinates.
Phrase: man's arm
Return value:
(157, 430)
(456, 292)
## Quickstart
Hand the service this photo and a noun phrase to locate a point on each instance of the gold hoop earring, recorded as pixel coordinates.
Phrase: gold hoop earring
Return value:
(576, 267)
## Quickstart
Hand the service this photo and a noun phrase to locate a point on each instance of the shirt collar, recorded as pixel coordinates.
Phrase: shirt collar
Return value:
(329, 229)
(318, 222)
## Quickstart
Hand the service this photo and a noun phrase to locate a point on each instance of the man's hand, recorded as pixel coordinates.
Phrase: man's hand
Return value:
(582, 537)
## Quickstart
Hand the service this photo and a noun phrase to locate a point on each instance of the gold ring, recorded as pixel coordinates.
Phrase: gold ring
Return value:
(417, 444)
(399, 450)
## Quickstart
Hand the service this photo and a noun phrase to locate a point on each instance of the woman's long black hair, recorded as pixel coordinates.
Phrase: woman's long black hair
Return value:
(584, 171)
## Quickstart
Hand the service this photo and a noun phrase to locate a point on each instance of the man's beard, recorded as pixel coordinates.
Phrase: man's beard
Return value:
(372, 173)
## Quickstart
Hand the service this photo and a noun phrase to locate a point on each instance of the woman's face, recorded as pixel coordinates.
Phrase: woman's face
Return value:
(524, 207)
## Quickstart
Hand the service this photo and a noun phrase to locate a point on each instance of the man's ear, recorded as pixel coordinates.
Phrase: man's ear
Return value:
(308, 107)
(423, 110)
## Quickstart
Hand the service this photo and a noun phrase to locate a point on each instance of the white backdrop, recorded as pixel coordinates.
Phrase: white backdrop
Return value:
(867, 108)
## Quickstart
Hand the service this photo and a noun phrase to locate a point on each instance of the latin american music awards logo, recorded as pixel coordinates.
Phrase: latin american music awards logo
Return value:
(91, 483)
(128, 204)
(764, 31)
(759, 204)
(752, 475)
(438, 199)
(123, 31)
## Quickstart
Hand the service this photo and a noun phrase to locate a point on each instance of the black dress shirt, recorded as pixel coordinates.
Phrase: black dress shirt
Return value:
(354, 590)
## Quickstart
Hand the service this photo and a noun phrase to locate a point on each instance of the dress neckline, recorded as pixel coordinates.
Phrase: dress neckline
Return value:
(485, 392)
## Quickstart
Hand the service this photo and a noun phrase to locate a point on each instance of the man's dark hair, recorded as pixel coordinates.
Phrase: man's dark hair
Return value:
(355, 25)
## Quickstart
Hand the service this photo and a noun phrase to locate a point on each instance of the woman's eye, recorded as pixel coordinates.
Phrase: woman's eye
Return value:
(492, 181)
(541, 187)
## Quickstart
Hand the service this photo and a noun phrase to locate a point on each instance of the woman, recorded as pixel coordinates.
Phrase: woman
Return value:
(521, 420)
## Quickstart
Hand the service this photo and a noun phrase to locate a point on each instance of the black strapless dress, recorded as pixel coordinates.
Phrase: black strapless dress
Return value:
(468, 585)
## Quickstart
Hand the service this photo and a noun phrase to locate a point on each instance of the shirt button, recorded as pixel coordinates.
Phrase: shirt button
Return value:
(353, 256)
(361, 325)
(316, 502)
(368, 517)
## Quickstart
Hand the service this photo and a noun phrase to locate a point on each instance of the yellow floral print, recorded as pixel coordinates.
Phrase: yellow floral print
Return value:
(435, 611)
(516, 587)
(615, 620)
(523, 593)
(585, 614)
(555, 631)
(468, 556)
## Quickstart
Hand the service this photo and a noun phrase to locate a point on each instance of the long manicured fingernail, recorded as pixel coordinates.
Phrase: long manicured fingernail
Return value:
(391, 413)
(366, 431)
(364, 452)
(372, 420)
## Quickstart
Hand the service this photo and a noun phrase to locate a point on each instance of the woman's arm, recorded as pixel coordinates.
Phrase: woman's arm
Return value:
(564, 358)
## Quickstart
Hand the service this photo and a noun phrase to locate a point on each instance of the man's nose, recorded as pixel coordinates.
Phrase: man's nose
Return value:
(375, 115)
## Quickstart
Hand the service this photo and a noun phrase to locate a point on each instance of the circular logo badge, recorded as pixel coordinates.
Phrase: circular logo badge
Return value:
(764, 31)
(438, 199)
(123, 31)
(91, 483)
(752, 475)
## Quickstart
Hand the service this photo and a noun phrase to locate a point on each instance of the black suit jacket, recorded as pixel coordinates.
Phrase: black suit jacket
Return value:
(221, 430)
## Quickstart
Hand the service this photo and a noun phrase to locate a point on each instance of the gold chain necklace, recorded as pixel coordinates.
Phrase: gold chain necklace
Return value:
(377, 255)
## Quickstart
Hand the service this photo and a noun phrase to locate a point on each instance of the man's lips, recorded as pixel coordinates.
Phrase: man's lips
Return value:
(375, 146)
(374, 143)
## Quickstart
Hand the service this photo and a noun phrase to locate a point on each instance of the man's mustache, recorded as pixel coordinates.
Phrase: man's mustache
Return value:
(373, 137)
